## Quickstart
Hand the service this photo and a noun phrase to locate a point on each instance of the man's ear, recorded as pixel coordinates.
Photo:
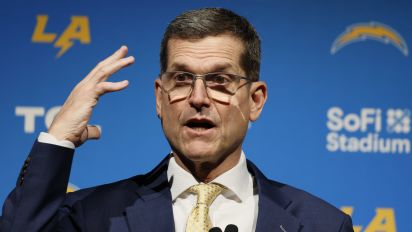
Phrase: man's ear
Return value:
(158, 93)
(258, 96)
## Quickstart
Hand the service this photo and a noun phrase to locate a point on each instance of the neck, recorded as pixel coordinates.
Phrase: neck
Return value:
(206, 171)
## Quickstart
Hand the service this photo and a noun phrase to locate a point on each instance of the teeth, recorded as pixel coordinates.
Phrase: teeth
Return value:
(199, 128)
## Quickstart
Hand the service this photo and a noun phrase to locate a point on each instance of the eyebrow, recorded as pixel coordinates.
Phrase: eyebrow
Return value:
(220, 67)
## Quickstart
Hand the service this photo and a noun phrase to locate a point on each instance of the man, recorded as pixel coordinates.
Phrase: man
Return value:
(207, 93)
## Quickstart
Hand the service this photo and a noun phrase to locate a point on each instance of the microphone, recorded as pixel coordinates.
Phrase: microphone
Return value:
(215, 229)
(231, 228)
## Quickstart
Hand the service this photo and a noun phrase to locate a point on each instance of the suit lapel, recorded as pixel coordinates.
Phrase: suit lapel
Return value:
(273, 204)
(152, 214)
(152, 211)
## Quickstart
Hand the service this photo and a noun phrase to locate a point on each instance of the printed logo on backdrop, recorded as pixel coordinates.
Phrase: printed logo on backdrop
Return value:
(77, 30)
(382, 221)
(369, 130)
(31, 115)
(369, 31)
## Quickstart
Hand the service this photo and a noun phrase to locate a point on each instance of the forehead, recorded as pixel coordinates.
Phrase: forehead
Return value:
(212, 53)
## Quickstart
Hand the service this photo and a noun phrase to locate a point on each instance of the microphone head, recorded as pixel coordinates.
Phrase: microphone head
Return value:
(215, 229)
(231, 228)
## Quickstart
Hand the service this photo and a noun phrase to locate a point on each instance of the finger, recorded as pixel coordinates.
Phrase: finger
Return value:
(120, 53)
(93, 132)
(108, 87)
(104, 73)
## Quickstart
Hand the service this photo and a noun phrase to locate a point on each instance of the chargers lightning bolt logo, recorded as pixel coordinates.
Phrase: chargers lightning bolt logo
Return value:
(373, 30)
(78, 29)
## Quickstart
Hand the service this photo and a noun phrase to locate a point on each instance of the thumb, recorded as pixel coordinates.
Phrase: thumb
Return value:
(93, 132)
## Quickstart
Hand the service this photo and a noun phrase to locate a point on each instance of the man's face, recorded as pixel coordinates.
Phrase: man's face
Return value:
(199, 128)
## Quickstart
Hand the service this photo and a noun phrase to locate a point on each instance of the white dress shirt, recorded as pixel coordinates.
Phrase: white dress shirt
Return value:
(237, 204)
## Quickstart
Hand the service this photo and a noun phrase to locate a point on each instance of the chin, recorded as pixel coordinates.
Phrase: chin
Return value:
(199, 156)
(200, 153)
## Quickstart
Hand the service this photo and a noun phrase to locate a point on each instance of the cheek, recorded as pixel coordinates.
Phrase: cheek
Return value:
(234, 119)
(240, 110)
(171, 117)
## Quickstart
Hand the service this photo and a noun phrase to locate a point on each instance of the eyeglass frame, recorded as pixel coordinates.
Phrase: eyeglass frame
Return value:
(234, 77)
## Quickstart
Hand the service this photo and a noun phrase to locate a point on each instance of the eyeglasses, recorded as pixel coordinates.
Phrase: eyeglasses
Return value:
(220, 86)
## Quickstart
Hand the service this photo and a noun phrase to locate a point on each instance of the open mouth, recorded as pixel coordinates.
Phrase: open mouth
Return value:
(200, 124)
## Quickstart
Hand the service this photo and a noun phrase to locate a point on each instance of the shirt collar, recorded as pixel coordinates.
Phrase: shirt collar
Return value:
(179, 179)
(235, 180)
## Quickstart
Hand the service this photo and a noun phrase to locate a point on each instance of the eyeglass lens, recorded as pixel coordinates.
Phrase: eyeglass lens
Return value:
(184, 91)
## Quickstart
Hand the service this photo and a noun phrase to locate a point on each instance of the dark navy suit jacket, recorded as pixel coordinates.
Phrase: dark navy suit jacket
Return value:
(141, 203)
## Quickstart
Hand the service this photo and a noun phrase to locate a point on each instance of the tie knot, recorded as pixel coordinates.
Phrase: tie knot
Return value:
(206, 193)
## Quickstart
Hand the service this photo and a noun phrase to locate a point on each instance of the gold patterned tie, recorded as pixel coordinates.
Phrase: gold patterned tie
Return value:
(199, 220)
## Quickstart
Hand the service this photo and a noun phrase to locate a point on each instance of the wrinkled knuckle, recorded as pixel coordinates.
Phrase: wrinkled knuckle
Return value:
(100, 64)
(104, 71)
(99, 88)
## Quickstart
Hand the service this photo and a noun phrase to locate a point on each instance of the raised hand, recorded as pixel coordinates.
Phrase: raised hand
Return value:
(71, 123)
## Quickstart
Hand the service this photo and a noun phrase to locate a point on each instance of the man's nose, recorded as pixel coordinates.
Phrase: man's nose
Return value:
(198, 97)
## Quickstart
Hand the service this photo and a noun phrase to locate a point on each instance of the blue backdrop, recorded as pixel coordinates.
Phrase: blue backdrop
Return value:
(337, 121)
